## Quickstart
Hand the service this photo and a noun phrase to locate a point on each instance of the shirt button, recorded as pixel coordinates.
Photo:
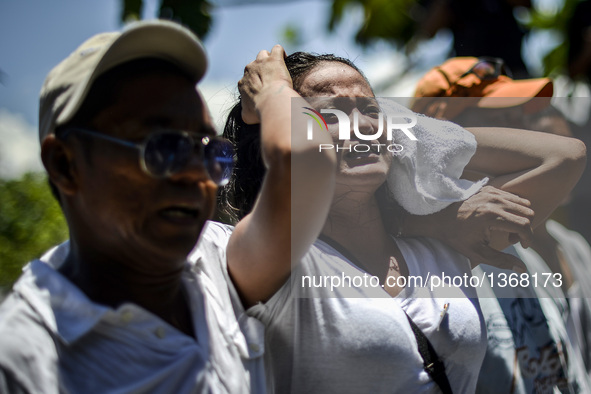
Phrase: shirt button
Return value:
(126, 316)
(254, 347)
(160, 332)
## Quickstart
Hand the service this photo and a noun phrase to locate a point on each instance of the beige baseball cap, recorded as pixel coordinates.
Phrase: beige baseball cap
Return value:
(66, 86)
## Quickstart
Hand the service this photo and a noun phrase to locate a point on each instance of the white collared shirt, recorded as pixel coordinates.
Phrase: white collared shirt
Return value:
(54, 339)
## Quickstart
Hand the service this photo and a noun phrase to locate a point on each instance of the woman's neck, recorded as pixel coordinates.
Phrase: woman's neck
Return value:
(353, 218)
(357, 226)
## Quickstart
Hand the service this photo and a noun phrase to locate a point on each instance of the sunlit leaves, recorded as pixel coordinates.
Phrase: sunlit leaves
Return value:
(31, 222)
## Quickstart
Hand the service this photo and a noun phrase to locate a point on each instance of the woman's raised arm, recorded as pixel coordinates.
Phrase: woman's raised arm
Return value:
(298, 187)
(540, 167)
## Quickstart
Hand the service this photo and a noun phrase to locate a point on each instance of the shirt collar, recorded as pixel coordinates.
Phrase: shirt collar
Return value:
(64, 309)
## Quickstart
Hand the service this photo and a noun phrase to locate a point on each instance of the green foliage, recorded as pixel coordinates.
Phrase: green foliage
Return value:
(194, 14)
(388, 20)
(396, 22)
(131, 10)
(31, 221)
(555, 20)
(555, 61)
(291, 36)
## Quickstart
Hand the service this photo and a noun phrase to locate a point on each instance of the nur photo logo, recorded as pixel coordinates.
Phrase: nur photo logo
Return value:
(403, 122)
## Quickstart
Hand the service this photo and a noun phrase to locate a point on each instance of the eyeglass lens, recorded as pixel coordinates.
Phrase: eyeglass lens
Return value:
(486, 70)
(219, 160)
(168, 153)
(489, 68)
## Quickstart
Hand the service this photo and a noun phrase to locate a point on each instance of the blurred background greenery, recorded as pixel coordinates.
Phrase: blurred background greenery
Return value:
(31, 221)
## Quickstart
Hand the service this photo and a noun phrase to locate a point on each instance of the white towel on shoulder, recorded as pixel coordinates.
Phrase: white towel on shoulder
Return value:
(425, 177)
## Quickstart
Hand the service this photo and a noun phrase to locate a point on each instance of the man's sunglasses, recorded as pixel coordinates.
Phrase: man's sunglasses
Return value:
(487, 68)
(165, 153)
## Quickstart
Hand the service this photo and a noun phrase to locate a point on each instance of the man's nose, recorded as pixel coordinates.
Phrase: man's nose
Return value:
(194, 170)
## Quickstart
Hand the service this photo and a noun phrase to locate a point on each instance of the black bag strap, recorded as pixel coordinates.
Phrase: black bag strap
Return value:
(431, 362)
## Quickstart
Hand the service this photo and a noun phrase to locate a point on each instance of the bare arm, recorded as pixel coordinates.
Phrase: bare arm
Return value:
(540, 167)
(264, 243)
(467, 226)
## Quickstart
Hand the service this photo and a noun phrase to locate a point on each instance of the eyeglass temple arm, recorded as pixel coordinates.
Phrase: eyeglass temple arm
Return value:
(103, 136)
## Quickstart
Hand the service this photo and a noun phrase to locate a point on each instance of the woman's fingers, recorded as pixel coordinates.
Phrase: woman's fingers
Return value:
(266, 70)
(278, 52)
(494, 210)
(517, 227)
(263, 54)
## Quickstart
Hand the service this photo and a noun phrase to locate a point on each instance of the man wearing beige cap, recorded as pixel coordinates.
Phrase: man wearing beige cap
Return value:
(132, 157)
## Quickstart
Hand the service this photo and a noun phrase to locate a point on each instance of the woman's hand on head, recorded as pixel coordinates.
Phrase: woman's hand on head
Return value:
(265, 242)
(265, 76)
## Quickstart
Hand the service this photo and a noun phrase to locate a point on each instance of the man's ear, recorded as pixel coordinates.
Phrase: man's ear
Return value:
(58, 160)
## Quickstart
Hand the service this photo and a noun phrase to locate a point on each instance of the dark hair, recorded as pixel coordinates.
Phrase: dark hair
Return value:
(237, 198)
(299, 64)
(106, 89)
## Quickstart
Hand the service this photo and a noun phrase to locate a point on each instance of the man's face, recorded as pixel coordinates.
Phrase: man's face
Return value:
(120, 210)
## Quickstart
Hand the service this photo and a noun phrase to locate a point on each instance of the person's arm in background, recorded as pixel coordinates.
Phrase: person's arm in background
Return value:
(524, 166)
(540, 167)
(467, 225)
(266, 241)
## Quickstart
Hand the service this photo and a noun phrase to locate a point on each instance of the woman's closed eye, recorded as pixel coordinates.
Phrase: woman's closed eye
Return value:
(371, 111)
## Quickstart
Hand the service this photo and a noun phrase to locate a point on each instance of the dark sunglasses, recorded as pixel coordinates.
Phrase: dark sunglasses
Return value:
(165, 153)
(487, 68)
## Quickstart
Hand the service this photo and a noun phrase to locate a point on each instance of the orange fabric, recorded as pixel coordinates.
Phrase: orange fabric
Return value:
(446, 80)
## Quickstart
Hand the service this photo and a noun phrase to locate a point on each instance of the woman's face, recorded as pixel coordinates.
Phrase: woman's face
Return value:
(362, 164)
